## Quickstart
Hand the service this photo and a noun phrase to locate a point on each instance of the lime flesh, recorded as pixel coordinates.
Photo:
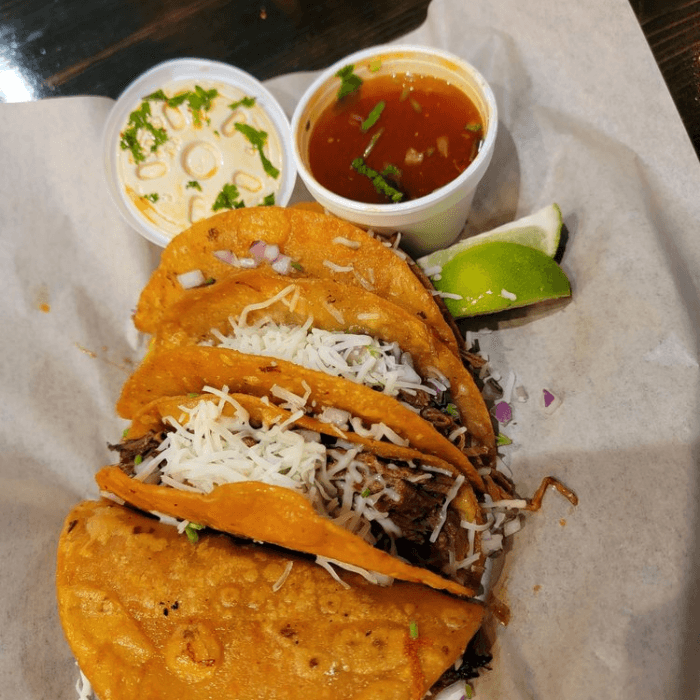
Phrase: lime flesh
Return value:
(499, 275)
(541, 230)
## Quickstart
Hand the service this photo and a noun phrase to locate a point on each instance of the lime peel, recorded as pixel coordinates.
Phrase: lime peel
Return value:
(497, 275)
(541, 230)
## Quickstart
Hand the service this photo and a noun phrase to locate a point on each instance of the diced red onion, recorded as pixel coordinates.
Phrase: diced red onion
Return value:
(503, 412)
(226, 256)
(257, 250)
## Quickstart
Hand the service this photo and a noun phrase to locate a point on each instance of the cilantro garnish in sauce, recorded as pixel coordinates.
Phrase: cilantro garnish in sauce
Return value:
(228, 198)
(379, 179)
(258, 139)
(349, 81)
(140, 119)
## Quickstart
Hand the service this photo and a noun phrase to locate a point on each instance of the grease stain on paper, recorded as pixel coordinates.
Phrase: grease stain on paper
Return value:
(125, 366)
(41, 299)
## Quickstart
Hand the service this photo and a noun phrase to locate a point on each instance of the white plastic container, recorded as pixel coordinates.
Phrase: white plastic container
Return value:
(187, 69)
(427, 223)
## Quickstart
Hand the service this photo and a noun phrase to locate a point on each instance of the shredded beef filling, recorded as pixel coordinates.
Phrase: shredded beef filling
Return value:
(416, 512)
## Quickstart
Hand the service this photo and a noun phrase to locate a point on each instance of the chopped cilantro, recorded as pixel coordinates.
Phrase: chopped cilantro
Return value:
(297, 266)
(451, 410)
(208, 281)
(373, 116)
(475, 127)
(349, 82)
(468, 691)
(228, 199)
(198, 100)
(413, 630)
(258, 139)
(191, 532)
(502, 439)
(194, 185)
(192, 394)
(157, 95)
(365, 493)
(375, 65)
(380, 184)
(391, 170)
(139, 119)
(125, 433)
(245, 102)
(268, 200)
(137, 460)
(153, 197)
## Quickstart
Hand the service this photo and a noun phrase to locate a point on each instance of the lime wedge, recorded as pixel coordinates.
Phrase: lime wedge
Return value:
(499, 275)
(541, 230)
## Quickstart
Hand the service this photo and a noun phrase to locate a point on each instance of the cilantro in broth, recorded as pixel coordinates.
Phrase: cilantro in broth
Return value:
(379, 179)
(373, 116)
(153, 197)
(194, 185)
(349, 81)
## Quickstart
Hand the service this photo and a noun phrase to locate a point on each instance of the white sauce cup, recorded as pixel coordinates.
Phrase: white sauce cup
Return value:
(427, 223)
(183, 69)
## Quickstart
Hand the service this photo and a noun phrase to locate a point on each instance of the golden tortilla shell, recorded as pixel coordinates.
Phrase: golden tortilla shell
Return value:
(290, 521)
(150, 615)
(310, 239)
(189, 369)
(333, 307)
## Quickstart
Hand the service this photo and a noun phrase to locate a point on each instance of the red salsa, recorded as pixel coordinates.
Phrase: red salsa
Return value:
(395, 138)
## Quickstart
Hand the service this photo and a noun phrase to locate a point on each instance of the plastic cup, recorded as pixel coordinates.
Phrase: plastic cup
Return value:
(427, 223)
(188, 69)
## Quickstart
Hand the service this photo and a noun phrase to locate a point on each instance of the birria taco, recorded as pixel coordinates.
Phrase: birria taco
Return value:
(148, 614)
(239, 464)
(347, 332)
(294, 242)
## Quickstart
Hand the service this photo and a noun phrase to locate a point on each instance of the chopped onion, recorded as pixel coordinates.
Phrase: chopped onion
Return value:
(282, 264)
(226, 256)
(257, 250)
(193, 278)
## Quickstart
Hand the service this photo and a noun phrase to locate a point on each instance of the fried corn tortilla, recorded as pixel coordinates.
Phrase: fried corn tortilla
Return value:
(219, 619)
(239, 465)
(320, 246)
(185, 370)
(263, 313)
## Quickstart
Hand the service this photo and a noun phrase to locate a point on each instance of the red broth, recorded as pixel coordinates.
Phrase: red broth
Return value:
(428, 130)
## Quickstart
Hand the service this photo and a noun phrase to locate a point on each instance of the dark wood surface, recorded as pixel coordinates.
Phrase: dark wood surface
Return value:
(73, 47)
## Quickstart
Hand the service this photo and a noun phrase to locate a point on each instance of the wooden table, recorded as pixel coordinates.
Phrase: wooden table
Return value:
(71, 47)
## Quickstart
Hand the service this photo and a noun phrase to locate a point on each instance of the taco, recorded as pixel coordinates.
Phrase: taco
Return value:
(187, 369)
(239, 464)
(350, 333)
(295, 242)
(148, 614)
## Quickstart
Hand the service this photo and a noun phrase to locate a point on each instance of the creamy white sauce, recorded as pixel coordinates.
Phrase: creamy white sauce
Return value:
(212, 154)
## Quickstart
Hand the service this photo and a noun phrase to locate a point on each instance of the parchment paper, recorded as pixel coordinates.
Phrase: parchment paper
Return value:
(603, 597)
